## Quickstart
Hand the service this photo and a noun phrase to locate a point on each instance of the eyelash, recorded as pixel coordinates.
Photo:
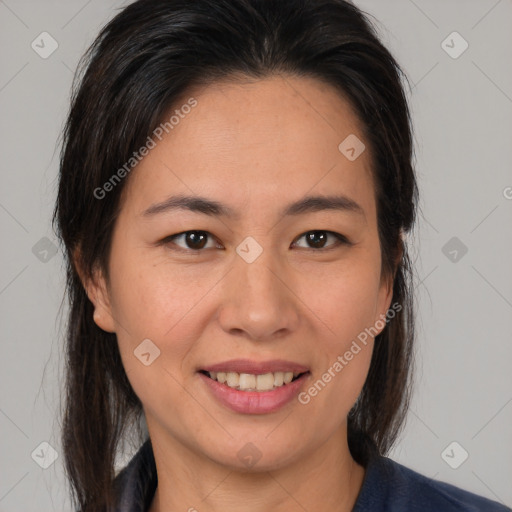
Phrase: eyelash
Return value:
(341, 240)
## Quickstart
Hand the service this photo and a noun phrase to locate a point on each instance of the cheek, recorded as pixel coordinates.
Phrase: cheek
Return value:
(148, 308)
(151, 302)
(344, 296)
(152, 297)
(347, 308)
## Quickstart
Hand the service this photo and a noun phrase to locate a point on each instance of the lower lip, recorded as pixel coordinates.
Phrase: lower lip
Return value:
(254, 402)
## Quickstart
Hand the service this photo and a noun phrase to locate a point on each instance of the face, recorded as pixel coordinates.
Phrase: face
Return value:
(284, 288)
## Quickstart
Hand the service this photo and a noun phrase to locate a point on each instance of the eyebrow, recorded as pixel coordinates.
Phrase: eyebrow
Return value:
(213, 208)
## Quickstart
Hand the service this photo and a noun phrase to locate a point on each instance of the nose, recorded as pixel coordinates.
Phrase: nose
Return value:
(258, 299)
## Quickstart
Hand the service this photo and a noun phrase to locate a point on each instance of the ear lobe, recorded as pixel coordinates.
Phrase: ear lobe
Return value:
(97, 291)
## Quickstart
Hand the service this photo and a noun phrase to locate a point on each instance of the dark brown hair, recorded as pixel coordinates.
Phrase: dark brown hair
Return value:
(143, 60)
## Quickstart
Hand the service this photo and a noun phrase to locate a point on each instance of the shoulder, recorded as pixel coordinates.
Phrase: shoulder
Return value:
(391, 487)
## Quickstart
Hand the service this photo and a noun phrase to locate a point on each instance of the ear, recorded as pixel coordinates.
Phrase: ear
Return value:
(386, 286)
(384, 299)
(97, 292)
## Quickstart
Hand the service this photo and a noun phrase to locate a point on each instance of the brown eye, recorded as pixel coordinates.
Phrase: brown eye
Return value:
(317, 239)
(193, 240)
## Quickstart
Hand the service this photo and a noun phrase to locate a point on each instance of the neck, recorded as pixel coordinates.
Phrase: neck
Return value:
(326, 479)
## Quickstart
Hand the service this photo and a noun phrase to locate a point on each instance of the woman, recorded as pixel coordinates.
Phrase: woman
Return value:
(235, 185)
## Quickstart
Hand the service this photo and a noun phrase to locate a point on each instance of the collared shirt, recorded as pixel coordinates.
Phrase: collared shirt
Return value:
(387, 487)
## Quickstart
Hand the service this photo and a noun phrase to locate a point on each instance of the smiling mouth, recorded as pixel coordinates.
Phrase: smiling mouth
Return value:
(251, 382)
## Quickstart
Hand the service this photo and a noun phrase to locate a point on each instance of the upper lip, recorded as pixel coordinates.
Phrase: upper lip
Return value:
(256, 367)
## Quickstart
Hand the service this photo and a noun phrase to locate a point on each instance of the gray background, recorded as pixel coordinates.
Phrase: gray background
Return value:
(462, 109)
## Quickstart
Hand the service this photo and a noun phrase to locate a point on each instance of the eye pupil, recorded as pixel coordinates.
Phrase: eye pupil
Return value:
(193, 237)
(317, 238)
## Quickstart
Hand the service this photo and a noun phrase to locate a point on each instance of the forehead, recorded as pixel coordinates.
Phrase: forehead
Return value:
(255, 141)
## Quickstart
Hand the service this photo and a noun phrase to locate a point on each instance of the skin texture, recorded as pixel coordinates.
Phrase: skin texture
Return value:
(256, 146)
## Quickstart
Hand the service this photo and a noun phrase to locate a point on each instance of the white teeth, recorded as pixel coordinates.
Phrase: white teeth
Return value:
(250, 382)
(247, 381)
(265, 382)
(232, 379)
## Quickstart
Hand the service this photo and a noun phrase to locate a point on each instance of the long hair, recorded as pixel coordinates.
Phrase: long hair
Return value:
(141, 63)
